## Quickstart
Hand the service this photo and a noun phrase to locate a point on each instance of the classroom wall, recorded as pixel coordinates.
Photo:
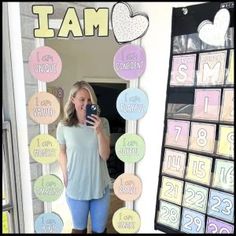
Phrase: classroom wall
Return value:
(156, 43)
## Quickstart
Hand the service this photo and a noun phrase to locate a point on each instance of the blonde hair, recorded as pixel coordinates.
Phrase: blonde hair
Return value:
(70, 117)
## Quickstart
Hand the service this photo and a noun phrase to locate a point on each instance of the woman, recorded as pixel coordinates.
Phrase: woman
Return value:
(84, 151)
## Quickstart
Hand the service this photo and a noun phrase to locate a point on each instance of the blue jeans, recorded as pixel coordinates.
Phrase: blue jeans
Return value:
(98, 209)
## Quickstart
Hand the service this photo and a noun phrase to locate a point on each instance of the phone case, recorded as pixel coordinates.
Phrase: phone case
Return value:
(91, 109)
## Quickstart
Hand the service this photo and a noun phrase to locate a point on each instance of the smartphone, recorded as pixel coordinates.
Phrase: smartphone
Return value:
(91, 109)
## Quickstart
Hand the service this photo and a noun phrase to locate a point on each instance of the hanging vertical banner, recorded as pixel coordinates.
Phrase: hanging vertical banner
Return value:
(195, 193)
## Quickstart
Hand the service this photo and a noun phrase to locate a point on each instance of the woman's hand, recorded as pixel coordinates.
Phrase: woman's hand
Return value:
(95, 122)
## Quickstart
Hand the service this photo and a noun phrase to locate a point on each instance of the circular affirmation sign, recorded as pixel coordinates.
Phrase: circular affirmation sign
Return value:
(43, 108)
(130, 148)
(48, 188)
(130, 62)
(132, 104)
(44, 149)
(126, 220)
(45, 64)
(48, 223)
(127, 187)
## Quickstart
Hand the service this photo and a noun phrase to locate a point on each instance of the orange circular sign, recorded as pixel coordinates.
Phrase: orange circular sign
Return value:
(43, 108)
(127, 187)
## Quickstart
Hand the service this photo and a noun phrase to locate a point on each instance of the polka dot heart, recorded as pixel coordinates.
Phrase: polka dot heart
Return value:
(127, 26)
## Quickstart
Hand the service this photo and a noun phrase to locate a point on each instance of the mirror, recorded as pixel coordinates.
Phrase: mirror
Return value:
(90, 59)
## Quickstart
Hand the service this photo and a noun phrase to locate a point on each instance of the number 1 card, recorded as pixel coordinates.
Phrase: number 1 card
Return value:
(206, 104)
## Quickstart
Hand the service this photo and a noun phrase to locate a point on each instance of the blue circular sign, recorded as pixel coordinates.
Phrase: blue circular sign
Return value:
(48, 223)
(132, 104)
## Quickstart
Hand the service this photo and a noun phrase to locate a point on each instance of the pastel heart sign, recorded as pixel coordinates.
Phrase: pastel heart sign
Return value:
(214, 33)
(127, 26)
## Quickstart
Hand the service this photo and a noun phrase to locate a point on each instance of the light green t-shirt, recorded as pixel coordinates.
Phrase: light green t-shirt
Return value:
(87, 172)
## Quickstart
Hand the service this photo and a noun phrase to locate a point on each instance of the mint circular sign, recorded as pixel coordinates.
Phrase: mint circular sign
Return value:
(130, 148)
(132, 104)
(48, 188)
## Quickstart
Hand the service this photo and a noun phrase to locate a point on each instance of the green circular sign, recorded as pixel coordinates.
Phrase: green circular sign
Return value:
(130, 148)
(48, 188)
(44, 149)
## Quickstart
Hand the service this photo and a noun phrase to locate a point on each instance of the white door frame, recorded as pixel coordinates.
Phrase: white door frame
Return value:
(131, 126)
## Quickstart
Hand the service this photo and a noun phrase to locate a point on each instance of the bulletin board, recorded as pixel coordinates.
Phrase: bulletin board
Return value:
(195, 191)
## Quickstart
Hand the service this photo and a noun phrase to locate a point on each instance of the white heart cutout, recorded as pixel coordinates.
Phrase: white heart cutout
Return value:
(214, 34)
(126, 26)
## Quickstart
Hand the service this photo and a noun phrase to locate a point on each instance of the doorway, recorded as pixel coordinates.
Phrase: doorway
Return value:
(91, 60)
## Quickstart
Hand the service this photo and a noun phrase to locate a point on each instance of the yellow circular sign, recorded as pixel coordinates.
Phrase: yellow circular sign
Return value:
(44, 149)
(43, 108)
(126, 220)
(127, 187)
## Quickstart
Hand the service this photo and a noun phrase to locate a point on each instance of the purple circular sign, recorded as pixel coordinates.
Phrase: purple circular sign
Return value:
(129, 62)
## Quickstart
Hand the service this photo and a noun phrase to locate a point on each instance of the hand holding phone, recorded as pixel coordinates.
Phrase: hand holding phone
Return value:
(91, 109)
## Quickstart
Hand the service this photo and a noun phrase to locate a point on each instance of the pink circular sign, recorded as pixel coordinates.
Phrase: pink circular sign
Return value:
(130, 62)
(45, 64)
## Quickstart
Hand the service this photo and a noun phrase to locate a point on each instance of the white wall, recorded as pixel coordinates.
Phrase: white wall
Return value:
(156, 43)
